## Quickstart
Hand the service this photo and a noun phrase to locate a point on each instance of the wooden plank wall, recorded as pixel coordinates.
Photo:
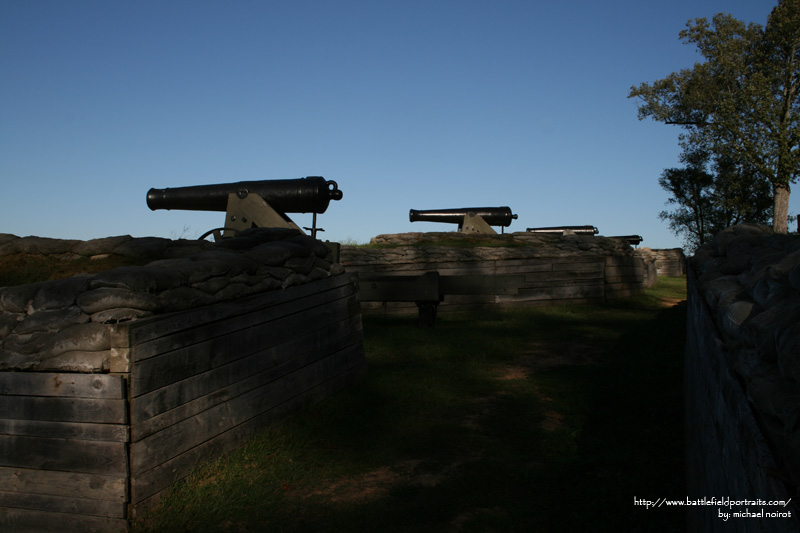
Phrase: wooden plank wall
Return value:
(63, 452)
(83, 452)
(624, 276)
(551, 280)
(203, 381)
(671, 262)
(577, 278)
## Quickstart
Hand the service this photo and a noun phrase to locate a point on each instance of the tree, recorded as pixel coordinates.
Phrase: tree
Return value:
(712, 195)
(743, 101)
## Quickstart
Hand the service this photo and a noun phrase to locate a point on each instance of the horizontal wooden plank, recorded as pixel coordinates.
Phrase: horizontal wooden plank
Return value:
(300, 350)
(144, 330)
(466, 284)
(92, 457)
(193, 431)
(28, 521)
(64, 409)
(483, 268)
(169, 405)
(60, 504)
(577, 258)
(65, 430)
(70, 484)
(62, 385)
(394, 288)
(563, 276)
(532, 264)
(189, 360)
(587, 266)
(147, 486)
(523, 269)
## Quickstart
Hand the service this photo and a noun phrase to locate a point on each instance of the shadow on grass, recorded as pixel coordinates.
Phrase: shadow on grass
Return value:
(631, 444)
(544, 420)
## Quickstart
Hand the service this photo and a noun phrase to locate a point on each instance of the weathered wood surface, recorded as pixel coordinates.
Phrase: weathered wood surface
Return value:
(165, 406)
(62, 504)
(199, 388)
(94, 457)
(194, 430)
(405, 288)
(517, 282)
(63, 409)
(61, 483)
(204, 356)
(62, 385)
(18, 520)
(149, 487)
(557, 270)
(209, 346)
(63, 451)
(78, 450)
(65, 430)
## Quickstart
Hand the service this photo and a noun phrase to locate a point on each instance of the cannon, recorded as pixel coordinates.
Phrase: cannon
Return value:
(565, 230)
(633, 240)
(469, 219)
(249, 204)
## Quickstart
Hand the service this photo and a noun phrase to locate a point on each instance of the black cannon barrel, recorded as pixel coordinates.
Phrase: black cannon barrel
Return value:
(630, 239)
(302, 195)
(578, 230)
(494, 216)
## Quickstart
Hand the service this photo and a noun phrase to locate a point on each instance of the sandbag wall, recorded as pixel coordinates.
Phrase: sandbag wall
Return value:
(114, 386)
(526, 268)
(742, 368)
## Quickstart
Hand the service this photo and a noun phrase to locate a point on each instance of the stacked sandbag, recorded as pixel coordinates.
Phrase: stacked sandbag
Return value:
(65, 325)
(749, 277)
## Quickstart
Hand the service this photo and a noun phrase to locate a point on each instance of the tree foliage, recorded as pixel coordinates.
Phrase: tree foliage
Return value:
(711, 195)
(742, 103)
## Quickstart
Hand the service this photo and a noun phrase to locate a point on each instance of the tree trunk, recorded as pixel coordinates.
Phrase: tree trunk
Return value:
(780, 216)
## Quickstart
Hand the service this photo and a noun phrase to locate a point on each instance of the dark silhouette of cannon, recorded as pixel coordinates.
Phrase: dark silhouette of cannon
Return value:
(249, 204)
(633, 240)
(561, 230)
(469, 219)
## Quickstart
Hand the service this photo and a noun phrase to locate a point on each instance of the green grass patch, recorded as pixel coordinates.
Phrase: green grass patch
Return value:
(537, 419)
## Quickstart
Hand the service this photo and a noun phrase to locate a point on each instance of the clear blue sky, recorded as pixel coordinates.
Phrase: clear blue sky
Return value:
(406, 104)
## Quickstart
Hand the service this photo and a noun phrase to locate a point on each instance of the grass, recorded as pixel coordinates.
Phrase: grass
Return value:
(19, 269)
(538, 419)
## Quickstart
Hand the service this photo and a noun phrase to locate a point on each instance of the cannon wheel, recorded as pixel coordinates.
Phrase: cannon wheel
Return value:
(216, 232)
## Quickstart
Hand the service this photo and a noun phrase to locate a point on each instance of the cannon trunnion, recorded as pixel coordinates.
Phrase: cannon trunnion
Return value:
(250, 204)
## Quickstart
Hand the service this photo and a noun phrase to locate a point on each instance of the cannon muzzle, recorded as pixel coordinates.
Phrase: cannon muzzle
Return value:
(303, 195)
(493, 216)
